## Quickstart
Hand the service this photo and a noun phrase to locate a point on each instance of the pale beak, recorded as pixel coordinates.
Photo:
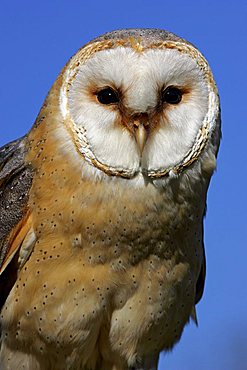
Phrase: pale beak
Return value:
(141, 135)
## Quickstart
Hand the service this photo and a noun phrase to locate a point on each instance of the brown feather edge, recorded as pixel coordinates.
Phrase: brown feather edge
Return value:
(15, 239)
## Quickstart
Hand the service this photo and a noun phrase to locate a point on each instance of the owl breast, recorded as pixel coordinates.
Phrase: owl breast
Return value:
(113, 271)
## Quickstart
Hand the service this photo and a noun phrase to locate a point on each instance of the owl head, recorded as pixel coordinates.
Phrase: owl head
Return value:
(139, 102)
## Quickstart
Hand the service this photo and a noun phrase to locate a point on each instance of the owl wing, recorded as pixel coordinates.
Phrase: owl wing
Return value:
(15, 219)
(201, 278)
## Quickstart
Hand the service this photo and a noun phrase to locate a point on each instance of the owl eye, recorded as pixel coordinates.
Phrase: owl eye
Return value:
(107, 96)
(171, 95)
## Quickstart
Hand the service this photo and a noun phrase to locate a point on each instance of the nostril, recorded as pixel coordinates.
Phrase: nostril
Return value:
(140, 119)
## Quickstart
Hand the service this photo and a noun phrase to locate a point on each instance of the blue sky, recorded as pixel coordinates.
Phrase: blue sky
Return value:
(38, 37)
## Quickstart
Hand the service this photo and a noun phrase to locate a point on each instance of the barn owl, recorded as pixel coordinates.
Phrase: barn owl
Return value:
(102, 204)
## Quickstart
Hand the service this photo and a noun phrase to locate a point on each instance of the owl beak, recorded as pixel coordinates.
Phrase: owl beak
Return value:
(141, 137)
(141, 134)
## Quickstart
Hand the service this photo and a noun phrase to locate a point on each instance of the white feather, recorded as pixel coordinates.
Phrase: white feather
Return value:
(141, 77)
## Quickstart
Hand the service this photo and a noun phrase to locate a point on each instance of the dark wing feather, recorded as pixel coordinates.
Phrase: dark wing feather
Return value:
(15, 183)
(201, 279)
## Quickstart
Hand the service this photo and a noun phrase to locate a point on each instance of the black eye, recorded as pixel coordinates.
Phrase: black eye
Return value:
(171, 95)
(107, 96)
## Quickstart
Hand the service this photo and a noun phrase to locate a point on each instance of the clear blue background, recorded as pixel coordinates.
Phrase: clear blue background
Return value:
(38, 37)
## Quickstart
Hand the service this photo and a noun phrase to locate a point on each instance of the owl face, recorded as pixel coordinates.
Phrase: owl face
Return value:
(133, 110)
